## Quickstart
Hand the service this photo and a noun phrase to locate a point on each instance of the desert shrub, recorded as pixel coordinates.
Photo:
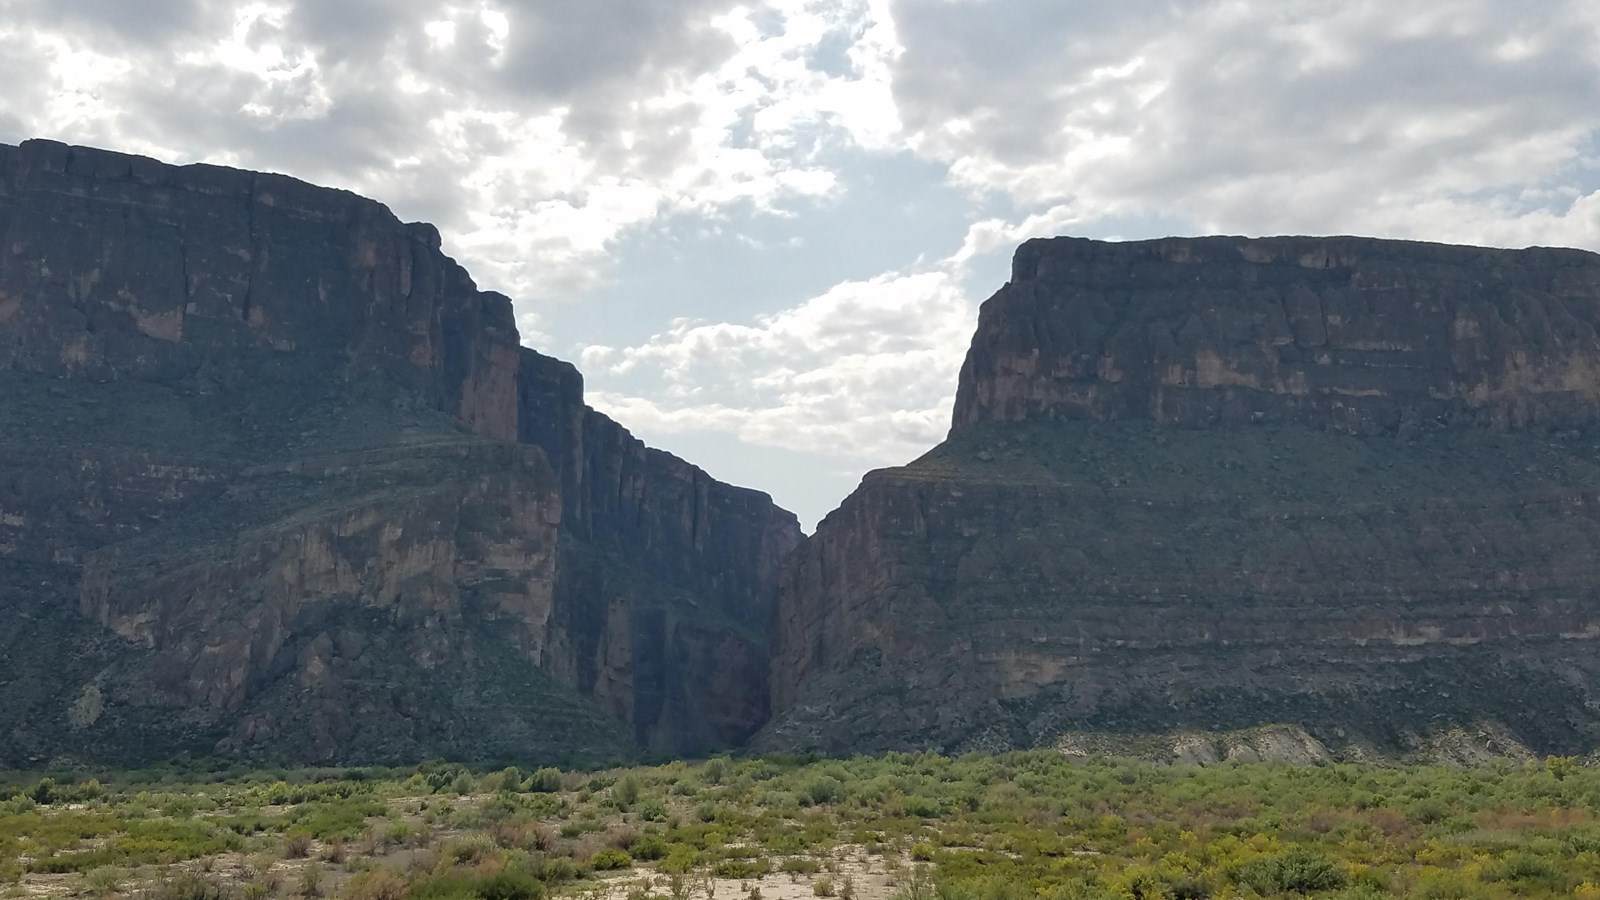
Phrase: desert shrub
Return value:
(610, 859)
(714, 770)
(545, 781)
(743, 868)
(649, 847)
(462, 884)
(377, 884)
(470, 849)
(141, 842)
(297, 845)
(190, 887)
(396, 834)
(555, 869)
(1189, 888)
(623, 837)
(334, 852)
(507, 779)
(311, 880)
(509, 885)
(626, 791)
(346, 820)
(1528, 869)
(1299, 871)
(104, 880)
(801, 865)
(680, 860)
(652, 809)
(823, 887)
(822, 789)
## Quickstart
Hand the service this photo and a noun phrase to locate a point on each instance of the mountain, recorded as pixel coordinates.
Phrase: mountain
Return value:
(278, 481)
(1340, 486)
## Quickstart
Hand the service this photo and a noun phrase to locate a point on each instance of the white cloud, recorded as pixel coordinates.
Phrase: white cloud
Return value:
(1391, 117)
(866, 370)
(546, 139)
(536, 136)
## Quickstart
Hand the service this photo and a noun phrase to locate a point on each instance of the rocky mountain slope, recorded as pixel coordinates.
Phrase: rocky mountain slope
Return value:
(1342, 485)
(276, 479)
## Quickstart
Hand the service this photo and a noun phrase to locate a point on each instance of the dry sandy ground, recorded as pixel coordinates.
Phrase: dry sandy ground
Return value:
(872, 878)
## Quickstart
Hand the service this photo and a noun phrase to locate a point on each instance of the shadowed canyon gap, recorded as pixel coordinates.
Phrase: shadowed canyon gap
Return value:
(277, 480)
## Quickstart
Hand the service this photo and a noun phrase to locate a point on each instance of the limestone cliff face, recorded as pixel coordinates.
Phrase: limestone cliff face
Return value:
(276, 479)
(1354, 334)
(1342, 484)
(117, 266)
(685, 661)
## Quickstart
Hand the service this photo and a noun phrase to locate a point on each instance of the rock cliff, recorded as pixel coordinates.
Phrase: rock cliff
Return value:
(276, 479)
(1346, 485)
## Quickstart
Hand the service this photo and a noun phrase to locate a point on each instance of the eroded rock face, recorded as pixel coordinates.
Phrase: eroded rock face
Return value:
(1352, 334)
(1209, 484)
(668, 575)
(277, 480)
(116, 266)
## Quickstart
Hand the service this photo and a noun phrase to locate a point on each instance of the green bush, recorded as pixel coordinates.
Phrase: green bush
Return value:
(1299, 871)
(611, 860)
(823, 789)
(459, 884)
(626, 791)
(545, 781)
(714, 770)
(650, 847)
(555, 869)
(1529, 869)
(743, 868)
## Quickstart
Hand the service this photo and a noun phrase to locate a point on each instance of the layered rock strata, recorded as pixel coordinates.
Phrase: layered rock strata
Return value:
(276, 479)
(1347, 485)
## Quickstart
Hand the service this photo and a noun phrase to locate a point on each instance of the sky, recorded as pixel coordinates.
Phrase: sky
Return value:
(763, 229)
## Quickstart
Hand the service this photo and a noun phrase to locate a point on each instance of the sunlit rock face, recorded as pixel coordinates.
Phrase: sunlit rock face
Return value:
(1343, 484)
(277, 480)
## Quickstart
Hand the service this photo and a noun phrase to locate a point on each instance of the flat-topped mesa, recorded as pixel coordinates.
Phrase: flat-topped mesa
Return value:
(117, 266)
(1353, 334)
(1103, 545)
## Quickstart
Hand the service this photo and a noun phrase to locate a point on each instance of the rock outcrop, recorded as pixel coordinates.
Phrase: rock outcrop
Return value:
(276, 479)
(1342, 485)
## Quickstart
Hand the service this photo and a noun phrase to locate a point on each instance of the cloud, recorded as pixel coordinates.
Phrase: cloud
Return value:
(1375, 117)
(865, 370)
(549, 140)
(536, 135)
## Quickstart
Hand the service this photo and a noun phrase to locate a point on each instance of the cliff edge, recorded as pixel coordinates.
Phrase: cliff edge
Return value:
(1342, 484)
(277, 480)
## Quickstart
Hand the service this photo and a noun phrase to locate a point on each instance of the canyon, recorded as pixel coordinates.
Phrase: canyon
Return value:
(278, 482)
